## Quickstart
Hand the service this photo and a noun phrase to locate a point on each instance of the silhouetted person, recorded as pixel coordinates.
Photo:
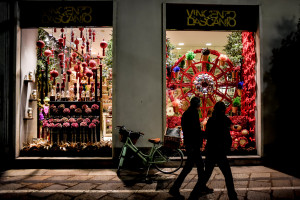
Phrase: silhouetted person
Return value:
(193, 138)
(218, 145)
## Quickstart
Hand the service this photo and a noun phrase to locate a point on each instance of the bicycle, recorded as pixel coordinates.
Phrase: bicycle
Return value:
(165, 160)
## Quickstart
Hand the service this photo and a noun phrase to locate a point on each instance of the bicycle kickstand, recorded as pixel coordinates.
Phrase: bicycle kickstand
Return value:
(147, 178)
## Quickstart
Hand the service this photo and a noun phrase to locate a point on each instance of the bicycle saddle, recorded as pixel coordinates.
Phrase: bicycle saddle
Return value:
(155, 140)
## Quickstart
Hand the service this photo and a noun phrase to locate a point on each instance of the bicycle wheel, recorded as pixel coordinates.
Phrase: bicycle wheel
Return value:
(167, 160)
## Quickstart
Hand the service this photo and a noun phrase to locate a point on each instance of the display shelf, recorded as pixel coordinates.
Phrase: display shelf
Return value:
(28, 118)
(32, 99)
(27, 81)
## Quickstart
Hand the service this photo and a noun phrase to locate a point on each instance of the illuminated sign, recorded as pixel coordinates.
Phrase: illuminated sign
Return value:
(211, 17)
(66, 13)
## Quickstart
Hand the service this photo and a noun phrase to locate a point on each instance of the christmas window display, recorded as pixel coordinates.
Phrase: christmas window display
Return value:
(216, 77)
(74, 94)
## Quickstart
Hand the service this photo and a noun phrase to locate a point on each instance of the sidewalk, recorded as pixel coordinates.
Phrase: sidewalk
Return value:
(251, 182)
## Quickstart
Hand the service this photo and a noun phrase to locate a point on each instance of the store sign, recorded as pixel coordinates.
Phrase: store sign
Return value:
(211, 17)
(61, 14)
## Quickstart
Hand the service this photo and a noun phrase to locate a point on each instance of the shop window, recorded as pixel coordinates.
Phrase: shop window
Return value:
(66, 91)
(216, 62)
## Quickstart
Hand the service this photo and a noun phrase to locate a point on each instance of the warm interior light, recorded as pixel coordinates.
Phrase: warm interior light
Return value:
(181, 44)
(208, 44)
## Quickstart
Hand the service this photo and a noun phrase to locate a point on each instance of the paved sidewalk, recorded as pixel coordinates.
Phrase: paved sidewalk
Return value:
(251, 182)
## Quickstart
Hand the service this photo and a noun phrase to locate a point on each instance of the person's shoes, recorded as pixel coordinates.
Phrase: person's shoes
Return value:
(195, 194)
(175, 193)
(207, 190)
(232, 196)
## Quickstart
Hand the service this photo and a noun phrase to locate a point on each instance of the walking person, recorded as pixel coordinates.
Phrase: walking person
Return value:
(193, 138)
(218, 145)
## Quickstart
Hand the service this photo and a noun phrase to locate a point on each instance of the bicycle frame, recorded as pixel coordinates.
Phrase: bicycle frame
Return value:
(147, 159)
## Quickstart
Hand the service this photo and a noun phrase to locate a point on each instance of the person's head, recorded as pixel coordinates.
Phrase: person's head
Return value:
(219, 109)
(195, 102)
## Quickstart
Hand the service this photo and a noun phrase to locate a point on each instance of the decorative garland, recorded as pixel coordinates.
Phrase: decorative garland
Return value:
(248, 104)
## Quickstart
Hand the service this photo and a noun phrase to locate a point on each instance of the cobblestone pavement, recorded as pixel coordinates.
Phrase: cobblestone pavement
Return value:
(251, 182)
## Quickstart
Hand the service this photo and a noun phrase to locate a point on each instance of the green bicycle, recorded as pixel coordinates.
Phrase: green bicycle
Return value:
(166, 160)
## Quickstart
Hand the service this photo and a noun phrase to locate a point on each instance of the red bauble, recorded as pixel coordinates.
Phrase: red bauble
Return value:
(74, 55)
(61, 56)
(103, 45)
(48, 53)
(61, 42)
(69, 72)
(76, 43)
(53, 74)
(81, 29)
(40, 44)
(84, 65)
(89, 74)
(92, 63)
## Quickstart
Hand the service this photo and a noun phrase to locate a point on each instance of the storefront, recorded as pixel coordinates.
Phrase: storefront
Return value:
(217, 65)
(141, 90)
(65, 80)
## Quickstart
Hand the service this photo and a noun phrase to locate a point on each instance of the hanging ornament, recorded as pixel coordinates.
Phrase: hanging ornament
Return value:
(61, 42)
(89, 74)
(87, 46)
(48, 53)
(87, 58)
(90, 33)
(93, 64)
(98, 60)
(74, 55)
(76, 43)
(61, 57)
(70, 62)
(54, 30)
(84, 65)
(40, 44)
(81, 29)
(94, 35)
(82, 47)
(72, 36)
(69, 72)
(64, 42)
(53, 74)
(103, 45)
(62, 32)
(76, 69)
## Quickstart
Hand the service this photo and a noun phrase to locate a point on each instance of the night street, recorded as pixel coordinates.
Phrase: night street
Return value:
(251, 182)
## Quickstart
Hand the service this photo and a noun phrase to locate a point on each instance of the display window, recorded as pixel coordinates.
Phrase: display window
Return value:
(215, 64)
(66, 85)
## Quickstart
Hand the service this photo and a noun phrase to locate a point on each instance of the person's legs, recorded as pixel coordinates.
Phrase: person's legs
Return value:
(189, 163)
(200, 187)
(225, 168)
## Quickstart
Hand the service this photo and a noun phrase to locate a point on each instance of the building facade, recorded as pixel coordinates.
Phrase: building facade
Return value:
(139, 73)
